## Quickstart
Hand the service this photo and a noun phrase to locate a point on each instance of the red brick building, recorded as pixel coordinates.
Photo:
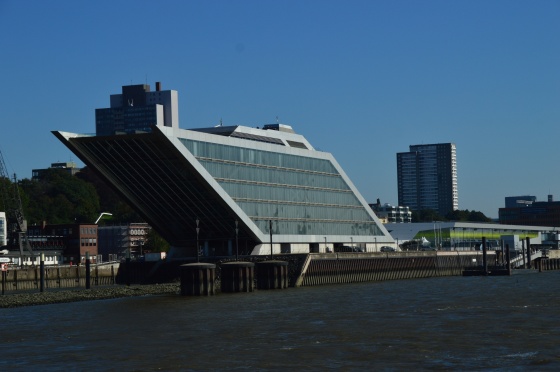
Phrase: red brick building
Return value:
(75, 240)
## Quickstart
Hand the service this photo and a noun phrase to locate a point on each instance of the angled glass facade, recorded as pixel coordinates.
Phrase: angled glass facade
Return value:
(175, 177)
(303, 195)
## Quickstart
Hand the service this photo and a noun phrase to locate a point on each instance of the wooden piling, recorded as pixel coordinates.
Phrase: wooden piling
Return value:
(198, 279)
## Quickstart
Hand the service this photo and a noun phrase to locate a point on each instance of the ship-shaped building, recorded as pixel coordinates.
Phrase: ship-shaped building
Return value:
(226, 189)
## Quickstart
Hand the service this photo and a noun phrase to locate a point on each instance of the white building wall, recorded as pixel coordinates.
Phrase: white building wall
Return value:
(170, 101)
(160, 121)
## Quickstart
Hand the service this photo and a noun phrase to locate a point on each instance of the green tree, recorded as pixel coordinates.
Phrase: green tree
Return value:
(467, 216)
(109, 200)
(426, 215)
(155, 243)
(59, 198)
(429, 215)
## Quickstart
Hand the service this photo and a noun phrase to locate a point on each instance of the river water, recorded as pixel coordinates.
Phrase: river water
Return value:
(451, 323)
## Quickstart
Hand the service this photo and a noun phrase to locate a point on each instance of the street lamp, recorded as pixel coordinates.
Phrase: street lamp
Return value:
(271, 249)
(236, 240)
(101, 216)
(197, 248)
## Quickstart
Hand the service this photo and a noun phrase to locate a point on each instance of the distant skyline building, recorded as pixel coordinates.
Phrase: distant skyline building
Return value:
(519, 201)
(136, 109)
(427, 178)
(526, 210)
(68, 167)
(388, 213)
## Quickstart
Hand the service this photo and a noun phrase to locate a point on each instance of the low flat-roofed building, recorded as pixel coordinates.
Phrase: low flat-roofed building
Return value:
(68, 167)
(531, 212)
(459, 236)
(388, 213)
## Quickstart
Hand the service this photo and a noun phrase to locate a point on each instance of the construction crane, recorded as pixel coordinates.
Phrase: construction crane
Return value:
(16, 223)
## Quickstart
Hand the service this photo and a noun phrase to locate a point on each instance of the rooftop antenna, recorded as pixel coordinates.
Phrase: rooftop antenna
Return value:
(277, 121)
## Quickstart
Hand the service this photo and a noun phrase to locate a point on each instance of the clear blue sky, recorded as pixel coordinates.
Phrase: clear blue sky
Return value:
(360, 79)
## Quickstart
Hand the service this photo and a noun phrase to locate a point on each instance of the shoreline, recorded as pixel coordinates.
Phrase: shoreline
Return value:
(13, 300)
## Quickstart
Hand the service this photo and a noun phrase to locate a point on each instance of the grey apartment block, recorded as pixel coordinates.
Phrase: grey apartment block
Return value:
(427, 178)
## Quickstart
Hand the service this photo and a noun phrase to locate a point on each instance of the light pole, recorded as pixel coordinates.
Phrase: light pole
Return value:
(101, 216)
(236, 240)
(197, 248)
(271, 249)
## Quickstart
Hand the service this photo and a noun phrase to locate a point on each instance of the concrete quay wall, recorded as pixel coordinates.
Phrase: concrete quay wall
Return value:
(327, 268)
(337, 268)
(22, 279)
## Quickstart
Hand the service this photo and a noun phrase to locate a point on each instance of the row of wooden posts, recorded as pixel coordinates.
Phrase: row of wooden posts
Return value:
(42, 279)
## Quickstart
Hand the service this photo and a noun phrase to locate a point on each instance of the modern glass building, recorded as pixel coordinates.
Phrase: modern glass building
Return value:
(234, 189)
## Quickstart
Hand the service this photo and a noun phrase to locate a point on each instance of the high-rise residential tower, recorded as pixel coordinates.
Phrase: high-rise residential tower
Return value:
(427, 178)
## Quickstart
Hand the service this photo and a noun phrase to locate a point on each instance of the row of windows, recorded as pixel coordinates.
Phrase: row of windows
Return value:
(318, 228)
(290, 194)
(304, 195)
(269, 210)
(259, 157)
(273, 175)
(88, 242)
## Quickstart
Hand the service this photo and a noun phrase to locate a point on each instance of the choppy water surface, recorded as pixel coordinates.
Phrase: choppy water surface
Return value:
(455, 323)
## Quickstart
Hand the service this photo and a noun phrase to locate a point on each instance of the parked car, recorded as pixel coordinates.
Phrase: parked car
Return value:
(386, 248)
(347, 248)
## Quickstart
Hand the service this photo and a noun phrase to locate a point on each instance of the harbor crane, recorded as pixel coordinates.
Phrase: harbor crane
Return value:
(16, 223)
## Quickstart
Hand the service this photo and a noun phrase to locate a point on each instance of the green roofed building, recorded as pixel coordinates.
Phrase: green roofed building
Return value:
(230, 177)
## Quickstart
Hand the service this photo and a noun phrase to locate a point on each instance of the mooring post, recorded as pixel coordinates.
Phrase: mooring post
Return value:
(88, 271)
(528, 240)
(484, 257)
(42, 273)
(523, 254)
(128, 268)
(3, 280)
(508, 260)
(503, 252)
